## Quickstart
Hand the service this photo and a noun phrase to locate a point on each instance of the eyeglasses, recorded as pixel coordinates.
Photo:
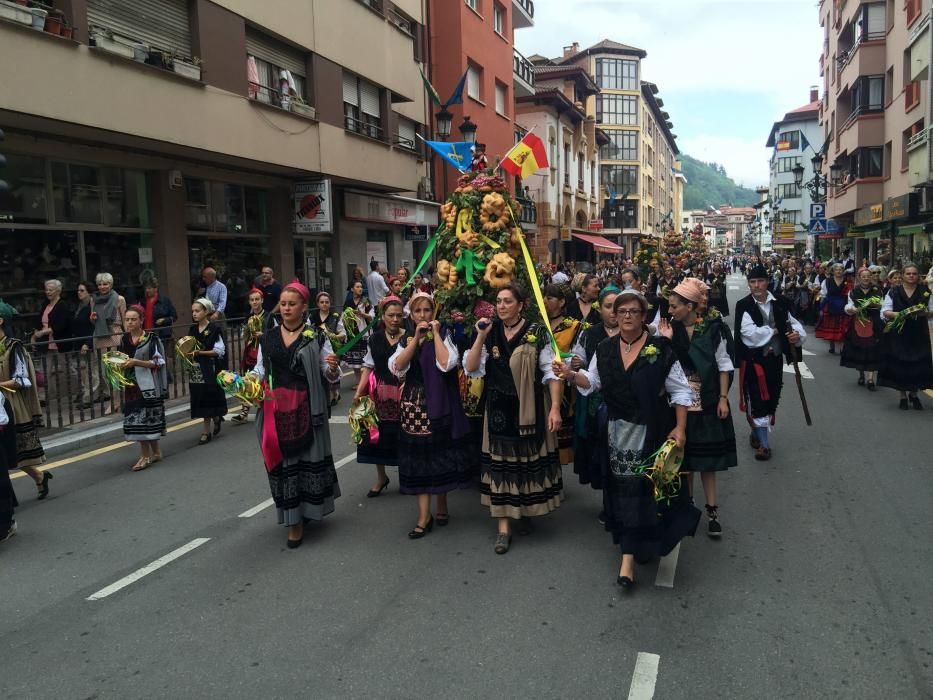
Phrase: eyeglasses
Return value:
(628, 312)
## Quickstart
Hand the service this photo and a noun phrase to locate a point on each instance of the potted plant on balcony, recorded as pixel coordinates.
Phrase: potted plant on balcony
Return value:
(39, 15)
(299, 106)
(159, 58)
(14, 12)
(104, 39)
(187, 67)
(54, 21)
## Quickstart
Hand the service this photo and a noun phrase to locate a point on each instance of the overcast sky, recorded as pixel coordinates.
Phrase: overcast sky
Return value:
(726, 69)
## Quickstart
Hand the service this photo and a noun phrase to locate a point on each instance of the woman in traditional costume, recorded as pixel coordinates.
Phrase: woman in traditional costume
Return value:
(432, 454)
(716, 281)
(584, 307)
(358, 312)
(521, 472)
(834, 294)
(18, 385)
(208, 400)
(8, 500)
(330, 325)
(589, 414)
(906, 363)
(809, 282)
(384, 389)
(144, 399)
(703, 347)
(566, 331)
(294, 435)
(252, 332)
(862, 350)
(646, 395)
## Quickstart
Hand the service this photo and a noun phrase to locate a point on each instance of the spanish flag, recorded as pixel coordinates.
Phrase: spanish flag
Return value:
(527, 157)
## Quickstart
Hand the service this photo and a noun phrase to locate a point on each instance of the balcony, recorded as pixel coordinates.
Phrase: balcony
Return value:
(862, 128)
(865, 58)
(919, 48)
(859, 194)
(918, 162)
(529, 213)
(523, 75)
(523, 14)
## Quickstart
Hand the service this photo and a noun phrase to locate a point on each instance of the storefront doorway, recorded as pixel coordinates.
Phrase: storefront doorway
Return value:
(314, 264)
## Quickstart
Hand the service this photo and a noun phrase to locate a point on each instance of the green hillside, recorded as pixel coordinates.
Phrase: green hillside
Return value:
(709, 185)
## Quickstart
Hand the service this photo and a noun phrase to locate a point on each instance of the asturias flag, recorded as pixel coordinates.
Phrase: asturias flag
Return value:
(526, 158)
(458, 153)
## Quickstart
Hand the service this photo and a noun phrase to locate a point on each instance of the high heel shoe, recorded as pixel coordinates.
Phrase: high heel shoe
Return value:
(626, 582)
(204, 439)
(44, 486)
(217, 423)
(418, 532)
(373, 493)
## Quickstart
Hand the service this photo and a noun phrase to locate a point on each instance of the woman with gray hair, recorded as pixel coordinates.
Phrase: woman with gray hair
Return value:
(107, 316)
(49, 340)
(834, 295)
(207, 398)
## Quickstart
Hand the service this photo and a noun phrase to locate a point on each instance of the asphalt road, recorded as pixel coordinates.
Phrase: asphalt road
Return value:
(819, 588)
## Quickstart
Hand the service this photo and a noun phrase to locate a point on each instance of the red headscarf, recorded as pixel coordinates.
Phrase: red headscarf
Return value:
(298, 287)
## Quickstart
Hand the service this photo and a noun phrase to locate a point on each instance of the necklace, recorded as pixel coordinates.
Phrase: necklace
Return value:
(392, 336)
(628, 345)
(508, 327)
(291, 330)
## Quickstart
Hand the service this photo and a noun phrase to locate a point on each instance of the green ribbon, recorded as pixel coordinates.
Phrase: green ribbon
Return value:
(357, 338)
(432, 244)
(468, 263)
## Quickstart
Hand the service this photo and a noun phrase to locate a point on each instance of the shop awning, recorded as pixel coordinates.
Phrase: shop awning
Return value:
(872, 233)
(910, 230)
(599, 243)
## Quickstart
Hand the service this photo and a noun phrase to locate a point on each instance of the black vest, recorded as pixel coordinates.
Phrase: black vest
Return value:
(748, 306)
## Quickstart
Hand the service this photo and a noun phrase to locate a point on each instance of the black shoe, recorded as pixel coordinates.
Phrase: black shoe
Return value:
(442, 519)
(10, 532)
(217, 423)
(503, 542)
(832, 349)
(713, 528)
(601, 517)
(903, 405)
(861, 381)
(373, 493)
(44, 486)
(294, 544)
(626, 582)
(418, 532)
(871, 386)
(915, 403)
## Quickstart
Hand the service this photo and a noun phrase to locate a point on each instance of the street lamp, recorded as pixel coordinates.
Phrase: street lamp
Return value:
(468, 129)
(445, 121)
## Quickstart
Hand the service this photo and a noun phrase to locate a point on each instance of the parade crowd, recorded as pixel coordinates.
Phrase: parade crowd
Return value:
(627, 384)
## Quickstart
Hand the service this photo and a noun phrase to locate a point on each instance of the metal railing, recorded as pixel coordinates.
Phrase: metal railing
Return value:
(523, 68)
(529, 213)
(528, 6)
(358, 126)
(73, 390)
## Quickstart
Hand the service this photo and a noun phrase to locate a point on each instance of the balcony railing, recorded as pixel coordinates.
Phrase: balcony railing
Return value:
(523, 14)
(529, 213)
(523, 69)
(358, 126)
(918, 139)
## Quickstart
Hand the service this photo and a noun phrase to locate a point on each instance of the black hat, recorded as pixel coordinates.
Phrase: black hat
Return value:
(758, 273)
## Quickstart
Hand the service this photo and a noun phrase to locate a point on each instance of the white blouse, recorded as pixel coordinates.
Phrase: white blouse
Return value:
(330, 373)
(453, 357)
(675, 384)
(545, 362)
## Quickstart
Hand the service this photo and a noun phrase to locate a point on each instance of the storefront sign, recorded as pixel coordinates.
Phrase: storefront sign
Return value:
(890, 210)
(565, 233)
(389, 210)
(416, 233)
(313, 207)
(596, 225)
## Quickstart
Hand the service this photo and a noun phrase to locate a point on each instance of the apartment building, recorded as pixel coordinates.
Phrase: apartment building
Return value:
(795, 140)
(565, 196)
(638, 181)
(476, 37)
(155, 137)
(875, 110)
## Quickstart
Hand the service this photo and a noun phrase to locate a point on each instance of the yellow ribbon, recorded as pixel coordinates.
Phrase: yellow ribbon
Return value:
(488, 241)
(464, 218)
(536, 287)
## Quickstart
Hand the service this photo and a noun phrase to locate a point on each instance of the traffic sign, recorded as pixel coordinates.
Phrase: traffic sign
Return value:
(817, 211)
(818, 226)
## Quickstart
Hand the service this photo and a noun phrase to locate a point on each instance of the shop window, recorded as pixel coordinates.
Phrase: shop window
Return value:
(225, 208)
(197, 205)
(76, 194)
(257, 210)
(125, 198)
(236, 259)
(25, 200)
(126, 256)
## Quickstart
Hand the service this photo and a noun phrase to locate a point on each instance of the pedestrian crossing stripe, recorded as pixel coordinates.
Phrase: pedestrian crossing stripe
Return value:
(807, 352)
(804, 370)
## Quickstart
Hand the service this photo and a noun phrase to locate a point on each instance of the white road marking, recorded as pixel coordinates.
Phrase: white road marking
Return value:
(148, 569)
(804, 370)
(734, 287)
(807, 352)
(257, 509)
(667, 568)
(644, 677)
(347, 373)
(342, 420)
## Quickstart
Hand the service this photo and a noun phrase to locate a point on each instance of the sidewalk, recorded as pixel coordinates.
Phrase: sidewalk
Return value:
(109, 429)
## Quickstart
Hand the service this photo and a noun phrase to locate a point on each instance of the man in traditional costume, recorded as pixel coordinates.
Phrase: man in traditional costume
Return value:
(764, 331)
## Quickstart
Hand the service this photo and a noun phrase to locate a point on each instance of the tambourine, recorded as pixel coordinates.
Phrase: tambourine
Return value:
(185, 349)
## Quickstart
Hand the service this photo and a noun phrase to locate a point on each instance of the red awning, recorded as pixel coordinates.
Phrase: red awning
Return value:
(600, 243)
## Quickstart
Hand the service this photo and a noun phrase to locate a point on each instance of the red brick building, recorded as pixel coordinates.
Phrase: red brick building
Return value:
(477, 36)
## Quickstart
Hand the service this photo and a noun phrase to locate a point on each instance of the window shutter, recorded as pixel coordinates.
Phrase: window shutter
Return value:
(275, 52)
(406, 132)
(876, 19)
(472, 82)
(500, 99)
(369, 99)
(159, 24)
(350, 95)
